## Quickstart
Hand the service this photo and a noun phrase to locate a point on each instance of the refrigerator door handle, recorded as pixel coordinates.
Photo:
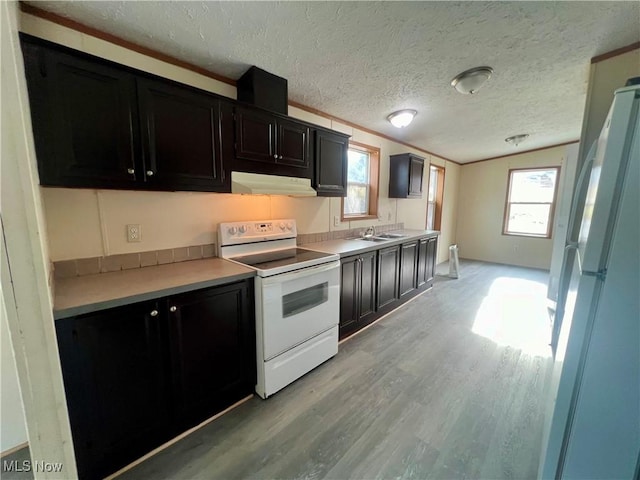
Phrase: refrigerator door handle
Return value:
(580, 184)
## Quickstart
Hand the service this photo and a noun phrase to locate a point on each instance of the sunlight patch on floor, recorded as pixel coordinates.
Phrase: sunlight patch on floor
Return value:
(514, 313)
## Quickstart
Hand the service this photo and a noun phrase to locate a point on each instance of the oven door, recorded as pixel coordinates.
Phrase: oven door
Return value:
(296, 306)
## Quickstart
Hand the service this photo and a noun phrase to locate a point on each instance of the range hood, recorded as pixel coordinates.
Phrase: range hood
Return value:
(255, 183)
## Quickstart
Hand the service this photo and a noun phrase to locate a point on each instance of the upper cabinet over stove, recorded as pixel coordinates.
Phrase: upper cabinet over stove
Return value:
(98, 124)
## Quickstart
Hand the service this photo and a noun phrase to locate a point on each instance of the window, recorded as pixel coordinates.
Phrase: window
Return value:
(530, 202)
(362, 183)
(434, 197)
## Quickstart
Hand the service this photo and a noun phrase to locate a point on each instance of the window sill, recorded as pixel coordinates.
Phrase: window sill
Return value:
(351, 218)
(527, 235)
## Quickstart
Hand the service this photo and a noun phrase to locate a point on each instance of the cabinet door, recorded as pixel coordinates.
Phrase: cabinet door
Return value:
(181, 137)
(293, 144)
(255, 137)
(83, 115)
(408, 256)
(388, 263)
(432, 247)
(416, 167)
(212, 340)
(421, 277)
(114, 381)
(331, 164)
(349, 294)
(367, 303)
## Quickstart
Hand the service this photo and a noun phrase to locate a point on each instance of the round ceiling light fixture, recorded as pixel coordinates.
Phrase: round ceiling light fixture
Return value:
(517, 139)
(470, 81)
(402, 118)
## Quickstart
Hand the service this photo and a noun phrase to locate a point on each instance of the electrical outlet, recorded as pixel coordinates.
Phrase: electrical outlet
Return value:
(336, 220)
(134, 234)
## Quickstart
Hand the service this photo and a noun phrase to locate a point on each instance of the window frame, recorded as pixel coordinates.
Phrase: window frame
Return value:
(439, 197)
(374, 179)
(552, 204)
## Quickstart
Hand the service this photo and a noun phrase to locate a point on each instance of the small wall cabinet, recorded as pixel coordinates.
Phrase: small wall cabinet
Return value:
(405, 176)
(331, 163)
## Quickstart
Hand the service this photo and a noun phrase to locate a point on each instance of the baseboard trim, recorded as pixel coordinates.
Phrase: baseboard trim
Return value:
(385, 315)
(176, 439)
(14, 449)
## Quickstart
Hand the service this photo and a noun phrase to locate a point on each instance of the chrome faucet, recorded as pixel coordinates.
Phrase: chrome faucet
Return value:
(369, 232)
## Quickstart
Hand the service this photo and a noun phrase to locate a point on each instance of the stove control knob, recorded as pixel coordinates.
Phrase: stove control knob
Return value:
(232, 230)
(242, 229)
(281, 225)
(289, 225)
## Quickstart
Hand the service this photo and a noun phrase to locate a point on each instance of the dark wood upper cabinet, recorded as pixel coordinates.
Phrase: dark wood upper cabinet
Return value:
(405, 176)
(267, 143)
(408, 266)
(84, 120)
(255, 136)
(293, 144)
(212, 349)
(98, 124)
(331, 163)
(181, 137)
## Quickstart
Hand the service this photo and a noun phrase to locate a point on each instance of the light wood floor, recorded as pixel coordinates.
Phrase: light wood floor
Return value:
(418, 395)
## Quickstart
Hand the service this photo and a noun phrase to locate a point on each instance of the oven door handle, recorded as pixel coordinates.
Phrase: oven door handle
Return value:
(302, 273)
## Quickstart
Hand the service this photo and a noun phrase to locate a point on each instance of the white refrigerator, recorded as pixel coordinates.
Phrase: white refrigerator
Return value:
(592, 426)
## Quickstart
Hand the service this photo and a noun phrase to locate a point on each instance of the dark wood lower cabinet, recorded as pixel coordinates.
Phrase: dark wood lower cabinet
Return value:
(213, 365)
(388, 285)
(377, 282)
(408, 264)
(137, 375)
(357, 299)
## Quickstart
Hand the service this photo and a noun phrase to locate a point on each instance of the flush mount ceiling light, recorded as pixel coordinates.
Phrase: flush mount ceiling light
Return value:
(517, 139)
(402, 118)
(469, 81)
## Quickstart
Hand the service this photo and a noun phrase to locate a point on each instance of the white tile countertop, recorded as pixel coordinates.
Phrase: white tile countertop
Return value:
(90, 293)
(346, 247)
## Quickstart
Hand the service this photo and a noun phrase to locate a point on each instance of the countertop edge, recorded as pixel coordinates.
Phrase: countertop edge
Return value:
(360, 246)
(142, 297)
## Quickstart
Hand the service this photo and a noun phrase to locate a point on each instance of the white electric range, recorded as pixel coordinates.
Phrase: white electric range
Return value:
(297, 299)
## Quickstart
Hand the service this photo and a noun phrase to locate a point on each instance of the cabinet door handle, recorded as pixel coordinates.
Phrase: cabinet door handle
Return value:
(149, 173)
(154, 313)
(173, 309)
(131, 171)
(280, 157)
(275, 155)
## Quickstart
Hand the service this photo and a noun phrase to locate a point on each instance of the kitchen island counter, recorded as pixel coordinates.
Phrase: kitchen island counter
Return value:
(90, 293)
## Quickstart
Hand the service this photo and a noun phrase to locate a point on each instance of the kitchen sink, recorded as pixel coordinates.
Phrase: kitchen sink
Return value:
(368, 239)
(391, 235)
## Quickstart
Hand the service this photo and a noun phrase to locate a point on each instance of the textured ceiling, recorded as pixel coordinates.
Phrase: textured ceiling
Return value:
(363, 60)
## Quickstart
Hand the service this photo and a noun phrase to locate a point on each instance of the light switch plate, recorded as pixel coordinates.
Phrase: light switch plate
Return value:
(134, 234)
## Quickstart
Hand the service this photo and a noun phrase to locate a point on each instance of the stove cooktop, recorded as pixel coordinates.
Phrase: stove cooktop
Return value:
(280, 258)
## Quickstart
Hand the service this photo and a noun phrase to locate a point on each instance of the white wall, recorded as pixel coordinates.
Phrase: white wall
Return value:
(13, 431)
(481, 203)
(604, 78)
(87, 223)
(24, 267)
